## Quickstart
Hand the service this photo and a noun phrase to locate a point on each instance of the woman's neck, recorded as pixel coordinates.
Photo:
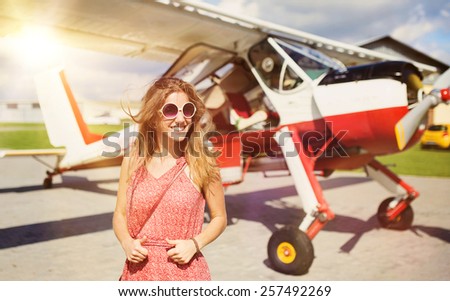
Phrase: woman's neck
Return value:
(172, 148)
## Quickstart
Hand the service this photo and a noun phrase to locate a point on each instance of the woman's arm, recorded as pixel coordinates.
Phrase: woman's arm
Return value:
(215, 199)
(132, 247)
(184, 250)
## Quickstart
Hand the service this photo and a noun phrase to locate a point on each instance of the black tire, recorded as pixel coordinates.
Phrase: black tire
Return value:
(48, 183)
(290, 251)
(402, 222)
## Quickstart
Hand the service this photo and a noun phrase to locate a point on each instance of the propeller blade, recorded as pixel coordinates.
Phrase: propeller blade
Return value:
(443, 80)
(407, 126)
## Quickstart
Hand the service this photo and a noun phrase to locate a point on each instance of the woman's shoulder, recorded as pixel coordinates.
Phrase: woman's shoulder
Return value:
(125, 162)
(131, 167)
(189, 176)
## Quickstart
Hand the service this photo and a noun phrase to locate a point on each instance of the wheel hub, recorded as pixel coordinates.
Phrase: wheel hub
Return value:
(286, 252)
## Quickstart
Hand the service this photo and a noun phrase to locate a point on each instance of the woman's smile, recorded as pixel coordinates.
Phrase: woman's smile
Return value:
(178, 127)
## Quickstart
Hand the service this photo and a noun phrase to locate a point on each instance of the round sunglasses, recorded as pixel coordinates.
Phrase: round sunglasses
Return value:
(170, 110)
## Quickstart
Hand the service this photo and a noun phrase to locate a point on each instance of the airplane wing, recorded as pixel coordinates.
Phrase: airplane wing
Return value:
(162, 30)
(32, 152)
(144, 29)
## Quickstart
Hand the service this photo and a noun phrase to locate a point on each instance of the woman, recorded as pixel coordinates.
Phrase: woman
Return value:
(164, 186)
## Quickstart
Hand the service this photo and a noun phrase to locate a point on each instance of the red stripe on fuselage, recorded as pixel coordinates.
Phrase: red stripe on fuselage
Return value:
(370, 131)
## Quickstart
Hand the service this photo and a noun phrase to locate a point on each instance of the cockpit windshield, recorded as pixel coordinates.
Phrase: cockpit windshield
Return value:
(313, 62)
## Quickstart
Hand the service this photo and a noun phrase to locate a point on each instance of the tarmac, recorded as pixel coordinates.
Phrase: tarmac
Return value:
(65, 233)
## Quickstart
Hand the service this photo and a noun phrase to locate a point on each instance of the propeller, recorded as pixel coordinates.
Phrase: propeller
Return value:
(407, 126)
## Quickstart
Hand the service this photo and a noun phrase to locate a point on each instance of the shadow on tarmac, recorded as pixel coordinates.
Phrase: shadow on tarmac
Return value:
(264, 206)
(34, 233)
(74, 182)
(268, 208)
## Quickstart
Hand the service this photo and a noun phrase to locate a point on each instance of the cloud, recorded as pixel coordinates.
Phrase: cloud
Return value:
(104, 85)
(354, 21)
(17, 86)
(241, 7)
(108, 77)
(332, 19)
(412, 32)
(91, 75)
(417, 26)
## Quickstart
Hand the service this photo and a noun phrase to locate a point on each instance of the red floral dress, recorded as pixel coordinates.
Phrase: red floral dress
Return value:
(179, 215)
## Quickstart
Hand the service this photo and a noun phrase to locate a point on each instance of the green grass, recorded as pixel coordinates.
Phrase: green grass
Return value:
(415, 161)
(34, 135)
(24, 139)
(18, 124)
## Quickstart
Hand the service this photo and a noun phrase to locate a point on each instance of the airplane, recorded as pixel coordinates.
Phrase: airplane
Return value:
(281, 99)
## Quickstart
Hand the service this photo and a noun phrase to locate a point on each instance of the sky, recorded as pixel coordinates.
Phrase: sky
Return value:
(424, 25)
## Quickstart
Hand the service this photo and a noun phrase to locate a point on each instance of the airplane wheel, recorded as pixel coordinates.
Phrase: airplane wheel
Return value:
(290, 251)
(48, 182)
(402, 222)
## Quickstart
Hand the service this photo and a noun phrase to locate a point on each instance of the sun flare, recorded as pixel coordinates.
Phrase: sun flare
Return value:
(37, 47)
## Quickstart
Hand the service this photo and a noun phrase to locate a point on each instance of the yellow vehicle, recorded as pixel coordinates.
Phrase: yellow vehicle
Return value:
(436, 135)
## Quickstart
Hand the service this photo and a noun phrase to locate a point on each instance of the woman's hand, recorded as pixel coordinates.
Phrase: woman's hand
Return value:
(134, 250)
(182, 251)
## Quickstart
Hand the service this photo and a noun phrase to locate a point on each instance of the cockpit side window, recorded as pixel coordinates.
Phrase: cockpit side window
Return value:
(277, 66)
(272, 68)
(311, 67)
(291, 79)
(268, 63)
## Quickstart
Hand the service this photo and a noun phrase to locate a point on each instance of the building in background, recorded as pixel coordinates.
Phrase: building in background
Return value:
(20, 111)
(389, 45)
(94, 112)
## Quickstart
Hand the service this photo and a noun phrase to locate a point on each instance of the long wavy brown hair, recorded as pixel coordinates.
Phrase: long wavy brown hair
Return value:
(201, 162)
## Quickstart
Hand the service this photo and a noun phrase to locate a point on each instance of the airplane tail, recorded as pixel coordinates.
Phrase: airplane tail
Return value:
(63, 121)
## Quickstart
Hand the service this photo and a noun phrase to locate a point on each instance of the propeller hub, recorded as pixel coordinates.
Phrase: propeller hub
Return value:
(445, 95)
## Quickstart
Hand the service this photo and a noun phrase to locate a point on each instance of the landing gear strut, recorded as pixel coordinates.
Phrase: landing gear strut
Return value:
(394, 212)
(48, 181)
(290, 249)
(402, 221)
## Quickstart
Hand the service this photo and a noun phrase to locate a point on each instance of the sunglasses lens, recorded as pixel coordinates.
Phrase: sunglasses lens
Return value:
(170, 110)
(188, 110)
